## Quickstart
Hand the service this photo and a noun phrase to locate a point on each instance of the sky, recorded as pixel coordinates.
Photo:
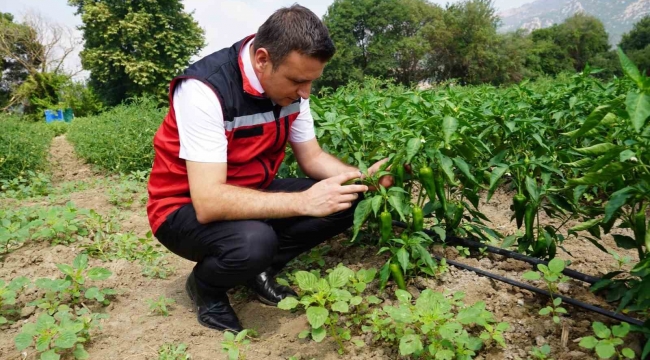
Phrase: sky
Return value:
(224, 21)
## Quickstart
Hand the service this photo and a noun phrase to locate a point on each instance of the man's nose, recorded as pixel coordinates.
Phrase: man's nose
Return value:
(304, 90)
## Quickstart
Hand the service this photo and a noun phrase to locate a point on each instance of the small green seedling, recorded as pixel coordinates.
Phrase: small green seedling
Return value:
(607, 341)
(620, 260)
(169, 351)
(8, 294)
(233, 345)
(552, 276)
(541, 353)
(463, 251)
(159, 306)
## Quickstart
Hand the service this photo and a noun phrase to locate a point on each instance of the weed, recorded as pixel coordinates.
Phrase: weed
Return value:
(31, 185)
(552, 275)
(159, 306)
(173, 352)
(463, 251)
(63, 333)
(72, 288)
(607, 341)
(8, 294)
(541, 353)
(234, 345)
(326, 299)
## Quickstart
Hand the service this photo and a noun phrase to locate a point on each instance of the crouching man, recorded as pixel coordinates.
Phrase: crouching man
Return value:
(213, 196)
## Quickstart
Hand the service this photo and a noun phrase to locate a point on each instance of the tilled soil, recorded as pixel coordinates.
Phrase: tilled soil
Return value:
(131, 332)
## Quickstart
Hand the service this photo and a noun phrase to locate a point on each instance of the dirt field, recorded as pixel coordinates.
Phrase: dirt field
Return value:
(132, 333)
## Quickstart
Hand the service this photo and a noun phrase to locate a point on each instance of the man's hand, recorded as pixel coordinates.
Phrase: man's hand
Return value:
(329, 196)
(387, 180)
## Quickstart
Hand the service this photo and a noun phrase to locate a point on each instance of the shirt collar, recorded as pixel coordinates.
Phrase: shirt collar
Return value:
(251, 82)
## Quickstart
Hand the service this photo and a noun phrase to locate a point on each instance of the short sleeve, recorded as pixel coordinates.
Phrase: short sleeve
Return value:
(200, 123)
(302, 128)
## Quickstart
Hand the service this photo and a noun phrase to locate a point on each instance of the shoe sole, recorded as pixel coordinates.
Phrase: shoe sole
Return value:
(263, 300)
(198, 318)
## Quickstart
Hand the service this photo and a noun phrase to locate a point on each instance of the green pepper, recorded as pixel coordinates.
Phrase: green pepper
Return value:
(640, 227)
(426, 179)
(457, 216)
(386, 228)
(396, 271)
(519, 202)
(418, 219)
(529, 221)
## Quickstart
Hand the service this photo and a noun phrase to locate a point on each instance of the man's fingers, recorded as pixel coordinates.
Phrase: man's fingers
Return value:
(341, 178)
(349, 197)
(349, 189)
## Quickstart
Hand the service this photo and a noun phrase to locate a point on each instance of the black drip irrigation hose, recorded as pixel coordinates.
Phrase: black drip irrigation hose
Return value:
(507, 253)
(574, 274)
(568, 300)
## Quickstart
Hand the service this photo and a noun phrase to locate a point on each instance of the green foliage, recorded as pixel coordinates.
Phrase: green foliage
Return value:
(126, 192)
(134, 49)
(21, 45)
(23, 147)
(365, 31)
(607, 341)
(552, 276)
(119, 140)
(73, 288)
(33, 184)
(542, 352)
(234, 345)
(56, 225)
(159, 306)
(8, 294)
(435, 327)
(169, 351)
(638, 38)
(65, 333)
(327, 300)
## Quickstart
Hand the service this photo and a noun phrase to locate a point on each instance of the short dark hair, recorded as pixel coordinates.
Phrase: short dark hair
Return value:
(294, 28)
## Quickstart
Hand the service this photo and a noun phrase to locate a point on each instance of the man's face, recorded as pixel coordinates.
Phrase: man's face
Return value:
(289, 81)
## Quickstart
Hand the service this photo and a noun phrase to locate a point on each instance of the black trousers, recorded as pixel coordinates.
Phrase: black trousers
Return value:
(230, 253)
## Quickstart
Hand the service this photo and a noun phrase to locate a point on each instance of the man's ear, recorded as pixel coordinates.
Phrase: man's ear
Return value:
(262, 60)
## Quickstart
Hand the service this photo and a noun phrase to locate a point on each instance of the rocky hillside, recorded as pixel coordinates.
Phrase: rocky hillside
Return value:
(618, 15)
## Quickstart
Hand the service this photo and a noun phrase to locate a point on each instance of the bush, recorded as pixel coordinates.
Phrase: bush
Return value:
(119, 140)
(23, 147)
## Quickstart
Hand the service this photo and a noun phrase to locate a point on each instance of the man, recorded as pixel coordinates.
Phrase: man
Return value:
(213, 198)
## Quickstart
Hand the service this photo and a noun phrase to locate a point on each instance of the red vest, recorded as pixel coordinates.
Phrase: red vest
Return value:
(256, 130)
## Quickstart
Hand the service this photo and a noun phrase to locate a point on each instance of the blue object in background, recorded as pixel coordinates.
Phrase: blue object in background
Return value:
(51, 116)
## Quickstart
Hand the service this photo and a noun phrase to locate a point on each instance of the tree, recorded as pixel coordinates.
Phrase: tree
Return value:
(584, 37)
(136, 47)
(15, 40)
(378, 38)
(465, 44)
(36, 50)
(639, 37)
(636, 44)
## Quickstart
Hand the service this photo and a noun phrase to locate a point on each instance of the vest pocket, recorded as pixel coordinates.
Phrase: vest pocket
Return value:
(250, 132)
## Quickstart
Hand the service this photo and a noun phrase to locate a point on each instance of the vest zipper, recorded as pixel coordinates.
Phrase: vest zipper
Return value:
(266, 171)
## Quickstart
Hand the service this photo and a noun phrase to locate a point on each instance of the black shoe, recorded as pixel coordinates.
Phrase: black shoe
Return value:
(268, 291)
(213, 308)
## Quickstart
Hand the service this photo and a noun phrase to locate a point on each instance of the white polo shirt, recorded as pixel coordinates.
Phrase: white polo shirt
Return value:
(200, 119)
